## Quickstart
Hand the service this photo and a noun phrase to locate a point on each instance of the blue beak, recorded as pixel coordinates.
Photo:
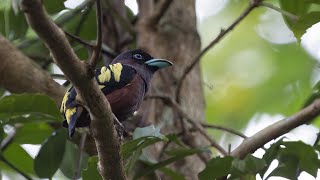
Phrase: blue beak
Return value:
(159, 63)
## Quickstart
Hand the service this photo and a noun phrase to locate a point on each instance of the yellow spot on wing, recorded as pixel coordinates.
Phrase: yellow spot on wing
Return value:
(116, 69)
(101, 86)
(64, 100)
(105, 75)
(69, 113)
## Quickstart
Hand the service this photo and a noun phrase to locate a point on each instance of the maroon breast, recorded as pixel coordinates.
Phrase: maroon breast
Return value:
(126, 100)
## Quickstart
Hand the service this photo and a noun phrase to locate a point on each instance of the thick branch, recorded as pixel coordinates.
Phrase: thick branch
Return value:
(102, 127)
(19, 74)
(223, 32)
(277, 129)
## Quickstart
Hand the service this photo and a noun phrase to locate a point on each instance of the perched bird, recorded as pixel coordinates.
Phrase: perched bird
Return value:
(124, 83)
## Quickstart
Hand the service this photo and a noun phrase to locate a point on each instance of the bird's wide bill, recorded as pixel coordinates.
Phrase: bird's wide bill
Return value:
(159, 63)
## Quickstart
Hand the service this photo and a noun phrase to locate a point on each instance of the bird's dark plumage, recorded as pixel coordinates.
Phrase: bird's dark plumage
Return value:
(124, 83)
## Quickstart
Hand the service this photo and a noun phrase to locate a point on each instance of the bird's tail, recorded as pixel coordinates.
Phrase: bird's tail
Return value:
(72, 115)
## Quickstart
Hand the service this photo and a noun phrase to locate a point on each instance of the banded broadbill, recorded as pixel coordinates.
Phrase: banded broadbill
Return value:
(124, 83)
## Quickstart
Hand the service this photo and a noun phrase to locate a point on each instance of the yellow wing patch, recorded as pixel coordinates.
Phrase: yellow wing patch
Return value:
(64, 100)
(69, 113)
(105, 75)
(116, 69)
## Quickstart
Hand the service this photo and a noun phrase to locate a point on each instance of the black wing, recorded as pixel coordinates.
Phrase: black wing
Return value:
(109, 78)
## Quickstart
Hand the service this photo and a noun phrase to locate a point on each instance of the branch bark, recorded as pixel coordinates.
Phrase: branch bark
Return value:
(79, 73)
(275, 130)
(20, 74)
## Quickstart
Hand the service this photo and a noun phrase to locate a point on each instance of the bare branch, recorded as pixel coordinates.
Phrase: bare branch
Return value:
(277, 129)
(96, 51)
(102, 126)
(31, 78)
(104, 48)
(168, 100)
(254, 4)
(159, 11)
(79, 161)
(229, 130)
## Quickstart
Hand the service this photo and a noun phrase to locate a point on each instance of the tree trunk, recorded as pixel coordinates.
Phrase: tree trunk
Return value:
(174, 38)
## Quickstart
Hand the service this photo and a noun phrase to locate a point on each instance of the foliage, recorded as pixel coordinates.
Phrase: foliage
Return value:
(279, 84)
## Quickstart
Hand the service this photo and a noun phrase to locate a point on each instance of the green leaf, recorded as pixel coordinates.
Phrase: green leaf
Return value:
(300, 9)
(55, 6)
(309, 163)
(17, 25)
(172, 174)
(2, 90)
(2, 133)
(28, 108)
(71, 156)
(288, 168)
(33, 133)
(295, 157)
(270, 155)
(250, 165)
(92, 171)
(216, 167)
(304, 22)
(16, 155)
(180, 154)
(51, 154)
(148, 131)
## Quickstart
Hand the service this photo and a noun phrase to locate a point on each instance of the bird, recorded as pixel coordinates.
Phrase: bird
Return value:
(124, 83)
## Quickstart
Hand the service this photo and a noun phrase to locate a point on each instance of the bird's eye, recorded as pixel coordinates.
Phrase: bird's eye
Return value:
(138, 56)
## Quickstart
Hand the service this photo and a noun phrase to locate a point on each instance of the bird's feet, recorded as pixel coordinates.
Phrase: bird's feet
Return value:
(119, 127)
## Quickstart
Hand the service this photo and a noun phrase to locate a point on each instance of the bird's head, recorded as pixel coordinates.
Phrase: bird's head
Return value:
(140, 59)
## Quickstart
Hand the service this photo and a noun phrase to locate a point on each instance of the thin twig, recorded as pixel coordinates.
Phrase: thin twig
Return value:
(168, 100)
(12, 166)
(159, 11)
(223, 32)
(286, 13)
(104, 48)
(79, 161)
(79, 40)
(229, 130)
(96, 51)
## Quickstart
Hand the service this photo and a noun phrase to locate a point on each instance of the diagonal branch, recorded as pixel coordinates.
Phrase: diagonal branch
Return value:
(277, 129)
(168, 100)
(96, 51)
(102, 126)
(226, 129)
(254, 4)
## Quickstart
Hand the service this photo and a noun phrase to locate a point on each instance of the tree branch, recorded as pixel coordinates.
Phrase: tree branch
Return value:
(96, 51)
(102, 126)
(277, 129)
(31, 78)
(168, 100)
(254, 4)
(159, 11)
(226, 129)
